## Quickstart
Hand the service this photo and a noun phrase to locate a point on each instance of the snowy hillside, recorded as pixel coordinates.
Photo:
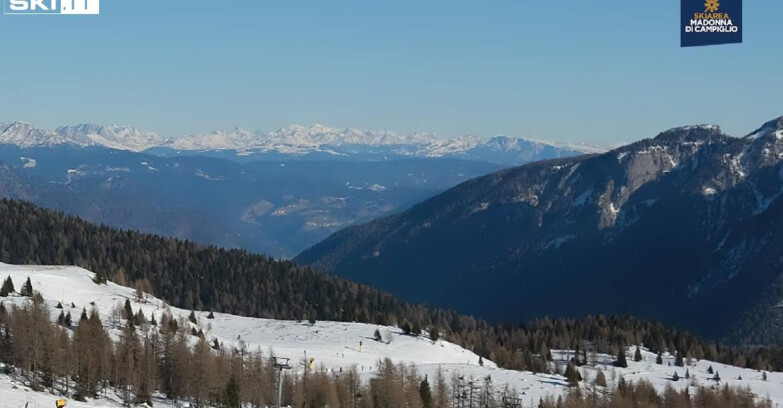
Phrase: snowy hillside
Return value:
(336, 345)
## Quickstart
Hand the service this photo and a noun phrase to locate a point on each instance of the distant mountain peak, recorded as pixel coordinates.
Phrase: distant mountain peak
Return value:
(691, 134)
(773, 127)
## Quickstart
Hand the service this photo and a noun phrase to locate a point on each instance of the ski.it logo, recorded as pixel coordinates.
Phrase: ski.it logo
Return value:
(51, 6)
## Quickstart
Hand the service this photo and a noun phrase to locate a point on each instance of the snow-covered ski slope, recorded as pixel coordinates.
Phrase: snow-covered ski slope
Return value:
(336, 345)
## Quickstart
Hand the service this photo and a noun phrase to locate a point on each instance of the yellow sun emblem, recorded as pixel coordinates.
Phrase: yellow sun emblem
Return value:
(711, 6)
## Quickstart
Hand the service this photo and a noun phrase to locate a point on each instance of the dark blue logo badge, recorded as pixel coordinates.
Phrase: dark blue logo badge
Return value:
(710, 22)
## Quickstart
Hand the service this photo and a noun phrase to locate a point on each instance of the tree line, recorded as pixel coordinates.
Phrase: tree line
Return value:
(148, 359)
(193, 276)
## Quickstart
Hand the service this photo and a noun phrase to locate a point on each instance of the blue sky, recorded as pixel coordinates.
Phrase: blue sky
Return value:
(597, 71)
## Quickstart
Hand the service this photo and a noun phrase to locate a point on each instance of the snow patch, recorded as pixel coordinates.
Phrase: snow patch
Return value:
(28, 162)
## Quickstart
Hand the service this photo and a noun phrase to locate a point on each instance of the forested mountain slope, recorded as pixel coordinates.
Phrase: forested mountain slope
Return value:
(684, 228)
(192, 276)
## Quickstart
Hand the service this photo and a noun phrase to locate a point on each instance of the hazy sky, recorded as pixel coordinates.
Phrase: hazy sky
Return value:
(597, 71)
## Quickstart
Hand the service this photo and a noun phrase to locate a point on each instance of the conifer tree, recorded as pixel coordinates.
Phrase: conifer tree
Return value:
(600, 379)
(575, 359)
(678, 360)
(128, 311)
(710, 370)
(716, 377)
(27, 289)
(425, 393)
(434, 334)
(231, 393)
(8, 287)
(637, 356)
(659, 358)
(675, 377)
(192, 317)
(621, 361)
(416, 329)
(377, 335)
(572, 374)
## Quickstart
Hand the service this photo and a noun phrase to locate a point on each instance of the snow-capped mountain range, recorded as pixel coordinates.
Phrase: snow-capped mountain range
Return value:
(295, 140)
(116, 137)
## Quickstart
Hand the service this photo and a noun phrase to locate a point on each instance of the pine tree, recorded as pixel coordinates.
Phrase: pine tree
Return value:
(600, 379)
(434, 334)
(710, 370)
(377, 335)
(406, 328)
(678, 360)
(675, 377)
(128, 311)
(481, 361)
(210, 316)
(637, 356)
(231, 393)
(192, 317)
(764, 376)
(68, 319)
(416, 329)
(687, 374)
(621, 361)
(572, 375)
(61, 319)
(716, 377)
(27, 289)
(659, 358)
(425, 393)
(575, 359)
(8, 287)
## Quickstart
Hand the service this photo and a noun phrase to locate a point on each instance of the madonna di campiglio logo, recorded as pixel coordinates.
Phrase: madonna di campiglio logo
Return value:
(710, 22)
